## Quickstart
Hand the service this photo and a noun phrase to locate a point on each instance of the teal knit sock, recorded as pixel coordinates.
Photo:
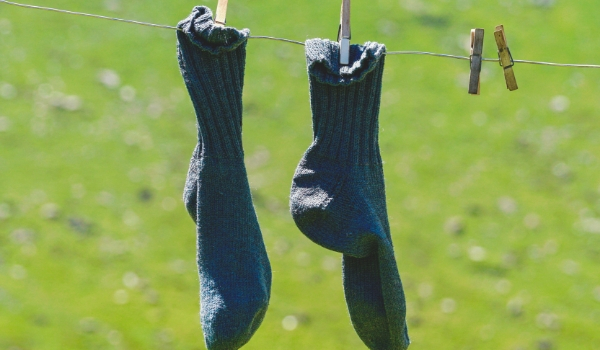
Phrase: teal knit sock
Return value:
(338, 192)
(235, 275)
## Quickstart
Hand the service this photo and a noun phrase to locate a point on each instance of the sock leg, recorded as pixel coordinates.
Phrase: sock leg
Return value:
(338, 192)
(234, 270)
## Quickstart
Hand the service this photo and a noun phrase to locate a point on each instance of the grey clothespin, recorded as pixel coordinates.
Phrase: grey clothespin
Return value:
(476, 60)
(344, 33)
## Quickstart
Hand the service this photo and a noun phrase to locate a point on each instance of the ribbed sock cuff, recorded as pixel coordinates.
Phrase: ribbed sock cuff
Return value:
(345, 100)
(212, 61)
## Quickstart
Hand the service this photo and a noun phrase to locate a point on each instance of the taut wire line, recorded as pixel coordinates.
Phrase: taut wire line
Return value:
(272, 38)
(433, 54)
(294, 41)
(492, 59)
(87, 15)
(558, 64)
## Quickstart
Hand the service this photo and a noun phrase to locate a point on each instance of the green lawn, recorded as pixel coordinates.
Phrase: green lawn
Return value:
(494, 200)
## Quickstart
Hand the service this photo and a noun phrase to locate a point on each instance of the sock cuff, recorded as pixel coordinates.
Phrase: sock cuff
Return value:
(212, 62)
(323, 60)
(345, 101)
(201, 30)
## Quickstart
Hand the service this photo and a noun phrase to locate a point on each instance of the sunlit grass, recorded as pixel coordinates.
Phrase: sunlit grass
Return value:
(494, 200)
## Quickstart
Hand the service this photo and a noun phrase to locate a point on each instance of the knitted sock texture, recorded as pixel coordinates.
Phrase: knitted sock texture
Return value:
(338, 191)
(234, 270)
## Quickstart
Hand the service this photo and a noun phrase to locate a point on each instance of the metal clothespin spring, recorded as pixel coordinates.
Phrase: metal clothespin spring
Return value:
(512, 62)
(476, 55)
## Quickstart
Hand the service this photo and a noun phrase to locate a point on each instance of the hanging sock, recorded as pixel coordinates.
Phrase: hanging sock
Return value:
(235, 275)
(338, 191)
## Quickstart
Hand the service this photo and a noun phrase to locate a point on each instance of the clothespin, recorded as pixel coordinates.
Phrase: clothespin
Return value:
(506, 60)
(476, 59)
(221, 15)
(344, 33)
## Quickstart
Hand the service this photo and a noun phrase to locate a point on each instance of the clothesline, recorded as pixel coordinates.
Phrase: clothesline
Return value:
(297, 42)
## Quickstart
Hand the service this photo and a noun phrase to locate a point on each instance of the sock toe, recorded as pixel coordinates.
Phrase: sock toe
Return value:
(234, 326)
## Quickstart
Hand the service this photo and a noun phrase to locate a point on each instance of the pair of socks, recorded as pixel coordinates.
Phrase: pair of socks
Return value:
(337, 197)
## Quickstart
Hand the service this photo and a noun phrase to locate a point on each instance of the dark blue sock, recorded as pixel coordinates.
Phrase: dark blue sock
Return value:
(235, 275)
(338, 191)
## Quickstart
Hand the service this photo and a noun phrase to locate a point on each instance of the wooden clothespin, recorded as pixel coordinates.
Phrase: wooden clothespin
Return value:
(221, 15)
(344, 33)
(506, 60)
(476, 60)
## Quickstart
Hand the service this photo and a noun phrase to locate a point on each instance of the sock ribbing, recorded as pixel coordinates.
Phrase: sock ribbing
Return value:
(345, 114)
(212, 61)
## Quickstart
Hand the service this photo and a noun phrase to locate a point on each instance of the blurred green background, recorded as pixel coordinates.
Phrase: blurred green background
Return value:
(494, 200)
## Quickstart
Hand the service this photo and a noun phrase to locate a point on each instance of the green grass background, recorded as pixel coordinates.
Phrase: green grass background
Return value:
(494, 200)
